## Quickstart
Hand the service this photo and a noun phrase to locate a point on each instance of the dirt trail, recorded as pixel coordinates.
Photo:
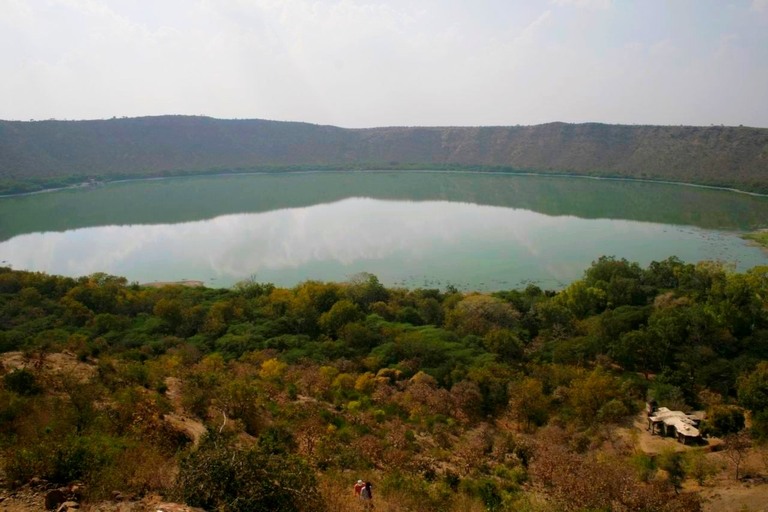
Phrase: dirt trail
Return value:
(178, 419)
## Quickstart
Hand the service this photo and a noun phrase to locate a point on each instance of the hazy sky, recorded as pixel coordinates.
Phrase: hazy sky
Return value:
(364, 63)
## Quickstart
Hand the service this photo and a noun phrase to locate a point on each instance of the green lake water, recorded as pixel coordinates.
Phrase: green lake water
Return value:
(415, 229)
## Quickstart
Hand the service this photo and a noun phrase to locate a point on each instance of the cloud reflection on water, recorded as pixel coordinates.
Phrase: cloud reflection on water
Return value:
(398, 240)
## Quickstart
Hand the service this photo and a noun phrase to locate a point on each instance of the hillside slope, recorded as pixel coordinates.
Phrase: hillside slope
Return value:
(38, 152)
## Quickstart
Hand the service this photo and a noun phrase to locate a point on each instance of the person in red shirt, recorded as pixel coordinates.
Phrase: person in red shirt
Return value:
(359, 487)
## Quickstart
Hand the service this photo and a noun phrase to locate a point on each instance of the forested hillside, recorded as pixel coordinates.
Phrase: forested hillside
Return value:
(261, 398)
(40, 154)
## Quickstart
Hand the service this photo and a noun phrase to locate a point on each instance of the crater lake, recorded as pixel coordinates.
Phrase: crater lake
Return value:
(474, 231)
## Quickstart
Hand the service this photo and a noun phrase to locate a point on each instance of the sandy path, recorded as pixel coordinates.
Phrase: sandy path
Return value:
(178, 419)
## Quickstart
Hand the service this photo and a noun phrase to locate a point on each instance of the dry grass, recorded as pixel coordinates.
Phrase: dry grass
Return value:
(339, 496)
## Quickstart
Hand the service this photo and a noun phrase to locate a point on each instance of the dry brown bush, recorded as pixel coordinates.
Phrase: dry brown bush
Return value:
(585, 481)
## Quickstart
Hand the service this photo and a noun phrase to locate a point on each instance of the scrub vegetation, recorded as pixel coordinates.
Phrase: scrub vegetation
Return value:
(264, 398)
(759, 237)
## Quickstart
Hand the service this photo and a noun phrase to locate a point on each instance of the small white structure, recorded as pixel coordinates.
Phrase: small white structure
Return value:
(674, 424)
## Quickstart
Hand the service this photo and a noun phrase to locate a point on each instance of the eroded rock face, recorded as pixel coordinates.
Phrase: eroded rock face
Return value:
(723, 155)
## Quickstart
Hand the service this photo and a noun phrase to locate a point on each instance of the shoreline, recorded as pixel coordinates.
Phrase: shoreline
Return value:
(758, 238)
(87, 185)
(184, 282)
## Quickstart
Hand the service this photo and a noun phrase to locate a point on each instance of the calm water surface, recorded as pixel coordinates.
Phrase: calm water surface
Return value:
(474, 231)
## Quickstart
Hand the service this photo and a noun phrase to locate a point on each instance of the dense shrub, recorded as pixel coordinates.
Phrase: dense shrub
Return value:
(723, 420)
(61, 459)
(340, 377)
(23, 382)
(222, 477)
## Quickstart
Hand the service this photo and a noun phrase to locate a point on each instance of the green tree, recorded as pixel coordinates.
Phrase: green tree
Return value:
(697, 466)
(493, 382)
(360, 336)
(672, 462)
(22, 382)
(619, 281)
(478, 314)
(664, 274)
(555, 320)
(581, 299)
(342, 313)
(597, 396)
(364, 289)
(528, 403)
(607, 268)
(504, 343)
(637, 350)
(723, 420)
(753, 395)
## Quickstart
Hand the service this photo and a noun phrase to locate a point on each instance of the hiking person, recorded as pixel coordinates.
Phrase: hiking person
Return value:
(359, 487)
(366, 494)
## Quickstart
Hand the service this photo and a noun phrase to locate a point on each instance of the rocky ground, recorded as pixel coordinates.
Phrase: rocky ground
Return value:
(40, 495)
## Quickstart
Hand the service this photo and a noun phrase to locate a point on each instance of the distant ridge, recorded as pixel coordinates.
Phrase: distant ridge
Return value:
(39, 154)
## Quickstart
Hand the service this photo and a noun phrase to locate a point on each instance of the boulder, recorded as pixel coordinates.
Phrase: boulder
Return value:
(77, 491)
(68, 505)
(37, 482)
(175, 507)
(54, 498)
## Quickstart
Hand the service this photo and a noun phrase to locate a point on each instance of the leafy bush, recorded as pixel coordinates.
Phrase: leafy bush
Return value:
(221, 477)
(673, 463)
(644, 465)
(697, 466)
(60, 460)
(23, 382)
(723, 420)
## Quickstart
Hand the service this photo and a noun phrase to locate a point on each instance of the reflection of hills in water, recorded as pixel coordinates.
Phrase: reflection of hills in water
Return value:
(405, 243)
(197, 198)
